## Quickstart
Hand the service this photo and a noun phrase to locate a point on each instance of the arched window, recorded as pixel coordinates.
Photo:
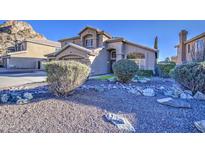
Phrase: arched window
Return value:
(88, 41)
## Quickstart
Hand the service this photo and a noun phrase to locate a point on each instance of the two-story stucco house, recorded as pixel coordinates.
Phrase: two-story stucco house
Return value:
(29, 54)
(190, 50)
(100, 50)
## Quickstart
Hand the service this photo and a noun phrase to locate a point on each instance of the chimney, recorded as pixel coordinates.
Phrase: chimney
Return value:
(182, 46)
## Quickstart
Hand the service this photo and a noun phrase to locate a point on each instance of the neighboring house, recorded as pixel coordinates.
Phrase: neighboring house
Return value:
(192, 49)
(29, 54)
(100, 50)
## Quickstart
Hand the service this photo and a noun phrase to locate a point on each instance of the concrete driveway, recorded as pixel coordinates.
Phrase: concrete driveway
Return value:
(9, 79)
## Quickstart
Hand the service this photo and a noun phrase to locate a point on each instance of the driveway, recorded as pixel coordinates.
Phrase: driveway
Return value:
(9, 79)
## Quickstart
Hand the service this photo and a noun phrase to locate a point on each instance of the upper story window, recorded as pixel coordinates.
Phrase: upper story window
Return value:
(189, 48)
(19, 47)
(88, 41)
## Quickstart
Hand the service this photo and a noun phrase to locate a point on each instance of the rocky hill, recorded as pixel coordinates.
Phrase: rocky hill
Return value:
(10, 31)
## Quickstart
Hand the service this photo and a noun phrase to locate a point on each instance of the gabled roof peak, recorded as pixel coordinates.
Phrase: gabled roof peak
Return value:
(95, 29)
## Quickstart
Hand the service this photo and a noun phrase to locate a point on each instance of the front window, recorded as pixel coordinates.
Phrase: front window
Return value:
(138, 58)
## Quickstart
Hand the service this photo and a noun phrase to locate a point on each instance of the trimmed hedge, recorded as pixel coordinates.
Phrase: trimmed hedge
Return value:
(146, 73)
(125, 70)
(64, 76)
(163, 69)
(191, 76)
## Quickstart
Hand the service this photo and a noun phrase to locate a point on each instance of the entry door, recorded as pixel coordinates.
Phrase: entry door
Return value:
(112, 59)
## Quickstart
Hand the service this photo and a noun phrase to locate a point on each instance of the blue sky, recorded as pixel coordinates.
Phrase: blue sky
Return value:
(139, 31)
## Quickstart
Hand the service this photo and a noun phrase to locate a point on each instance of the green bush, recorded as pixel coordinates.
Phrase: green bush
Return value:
(163, 69)
(65, 76)
(125, 70)
(191, 76)
(146, 73)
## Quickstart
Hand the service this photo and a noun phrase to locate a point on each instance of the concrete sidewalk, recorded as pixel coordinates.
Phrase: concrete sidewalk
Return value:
(9, 79)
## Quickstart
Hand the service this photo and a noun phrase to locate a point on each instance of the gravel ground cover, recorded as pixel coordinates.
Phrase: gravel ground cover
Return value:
(83, 110)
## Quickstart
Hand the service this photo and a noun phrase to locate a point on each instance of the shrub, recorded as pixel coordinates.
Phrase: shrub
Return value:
(125, 70)
(65, 76)
(146, 73)
(191, 76)
(163, 69)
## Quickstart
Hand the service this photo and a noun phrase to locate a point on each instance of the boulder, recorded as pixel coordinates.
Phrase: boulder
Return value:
(119, 121)
(28, 96)
(200, 125)
(134, 91)
(185, 96)
(148, 92)
(5, 98)
(143, 81)
(161, 88)
(163, 100)
(178, 103)
(22, 101)
(199, 96)
(168, 93)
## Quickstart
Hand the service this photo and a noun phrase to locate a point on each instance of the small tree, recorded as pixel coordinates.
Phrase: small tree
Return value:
(156, 43)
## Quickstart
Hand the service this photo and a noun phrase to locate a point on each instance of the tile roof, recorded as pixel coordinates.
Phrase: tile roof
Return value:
(90, 52)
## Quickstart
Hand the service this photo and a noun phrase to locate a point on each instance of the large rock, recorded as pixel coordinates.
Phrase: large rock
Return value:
(5, 98)
(168, 92)
(119, 121)
(28, 96)
(178, 103)
(163, 100)
(200, 125)
(199, 96)
(21, 101)
(185, 96)
(134, 91)
(148, 92)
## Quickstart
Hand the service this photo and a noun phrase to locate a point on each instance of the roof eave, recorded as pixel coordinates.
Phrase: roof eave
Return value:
(71, 38)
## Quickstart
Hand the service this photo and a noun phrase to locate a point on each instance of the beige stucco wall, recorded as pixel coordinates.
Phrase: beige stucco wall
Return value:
(75, 41)
(102, 38)
(30, 57)
(36, 51)
(150, 60)
(100, 63)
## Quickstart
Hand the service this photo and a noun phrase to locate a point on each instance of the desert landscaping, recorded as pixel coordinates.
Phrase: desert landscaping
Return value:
(98, 83)
(85, 108)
